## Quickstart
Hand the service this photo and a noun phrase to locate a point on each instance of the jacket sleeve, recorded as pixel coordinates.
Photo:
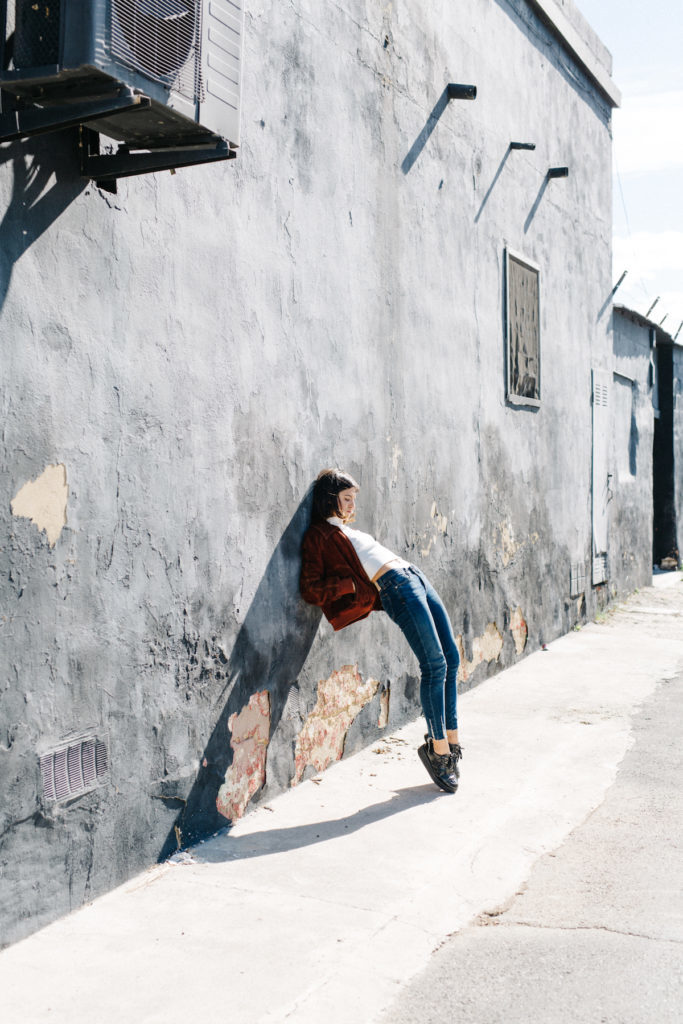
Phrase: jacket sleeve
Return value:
(317, 587)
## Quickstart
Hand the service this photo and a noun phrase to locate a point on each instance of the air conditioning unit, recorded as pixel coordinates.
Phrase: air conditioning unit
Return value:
(158, 76)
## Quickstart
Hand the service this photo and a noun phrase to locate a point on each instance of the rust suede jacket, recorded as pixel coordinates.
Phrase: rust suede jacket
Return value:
(329, 569)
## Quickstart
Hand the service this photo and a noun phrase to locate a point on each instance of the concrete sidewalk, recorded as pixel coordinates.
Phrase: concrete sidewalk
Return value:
(325, 903)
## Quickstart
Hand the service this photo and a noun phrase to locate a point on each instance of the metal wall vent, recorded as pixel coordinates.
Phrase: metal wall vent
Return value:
(577, 579)
(73, 769)
(601, 394)
(600, 574)
(293, 704)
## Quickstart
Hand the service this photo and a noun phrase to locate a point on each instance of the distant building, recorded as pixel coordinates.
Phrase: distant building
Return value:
(655, 508)
(391, 277)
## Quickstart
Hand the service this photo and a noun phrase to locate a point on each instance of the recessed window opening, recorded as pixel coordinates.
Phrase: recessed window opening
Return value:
(523, 331)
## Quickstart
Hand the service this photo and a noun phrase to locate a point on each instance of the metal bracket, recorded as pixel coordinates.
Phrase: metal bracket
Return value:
(22, 123)
(104, 169)
(455, 91)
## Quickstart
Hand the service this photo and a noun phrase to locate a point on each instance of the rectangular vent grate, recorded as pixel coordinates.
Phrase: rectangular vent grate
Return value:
(599, 569)
(73, 769)
(601, 394)
(577, 579)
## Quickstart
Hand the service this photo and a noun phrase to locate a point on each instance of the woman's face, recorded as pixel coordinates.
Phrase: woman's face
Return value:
(346, 501)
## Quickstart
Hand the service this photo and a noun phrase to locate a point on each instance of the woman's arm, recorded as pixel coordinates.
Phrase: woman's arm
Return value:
(316, 586)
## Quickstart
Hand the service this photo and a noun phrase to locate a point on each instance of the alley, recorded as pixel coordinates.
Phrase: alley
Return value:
(558, 883)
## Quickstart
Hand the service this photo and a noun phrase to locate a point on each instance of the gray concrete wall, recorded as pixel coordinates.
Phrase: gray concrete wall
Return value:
(632, 436)
(677, 355)
(192, 352)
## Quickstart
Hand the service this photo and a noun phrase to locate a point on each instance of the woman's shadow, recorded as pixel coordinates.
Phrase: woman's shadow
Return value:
(269, 653)
(279, 840)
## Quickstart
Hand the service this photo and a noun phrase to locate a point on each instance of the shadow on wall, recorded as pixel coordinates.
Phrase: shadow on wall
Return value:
(35, 204)
(269, 653)
(423, 137)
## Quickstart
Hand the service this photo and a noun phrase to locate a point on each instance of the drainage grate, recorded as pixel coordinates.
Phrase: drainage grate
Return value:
(74, 769)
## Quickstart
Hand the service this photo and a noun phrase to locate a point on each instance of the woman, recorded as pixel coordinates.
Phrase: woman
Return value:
(348, 574)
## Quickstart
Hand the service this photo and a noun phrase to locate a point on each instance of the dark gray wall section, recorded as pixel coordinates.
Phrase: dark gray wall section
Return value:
(195, 349)
(677, 355)
(630, 512)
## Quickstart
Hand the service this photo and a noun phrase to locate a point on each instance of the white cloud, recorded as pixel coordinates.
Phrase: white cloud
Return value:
(648, 133)
(650, 251)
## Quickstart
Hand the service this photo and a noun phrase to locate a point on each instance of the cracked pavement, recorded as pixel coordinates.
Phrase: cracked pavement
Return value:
(595, 935)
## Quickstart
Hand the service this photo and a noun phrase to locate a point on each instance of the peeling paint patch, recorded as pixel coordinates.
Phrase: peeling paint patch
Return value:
(43, 501)
(340, 699)
(438, 528)
(508, 544)
(518, 628)
(484, 648)
(250, 732)
(441, 522)
(383, 719)
(396, 457)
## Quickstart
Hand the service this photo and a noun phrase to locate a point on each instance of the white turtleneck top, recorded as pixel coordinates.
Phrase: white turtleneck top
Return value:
(371, 554)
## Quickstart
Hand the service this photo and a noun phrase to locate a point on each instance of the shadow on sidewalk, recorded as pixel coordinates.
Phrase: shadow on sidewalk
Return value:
(279, 840)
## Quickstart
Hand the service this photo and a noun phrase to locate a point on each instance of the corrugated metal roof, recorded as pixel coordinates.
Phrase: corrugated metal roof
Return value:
(663, 337)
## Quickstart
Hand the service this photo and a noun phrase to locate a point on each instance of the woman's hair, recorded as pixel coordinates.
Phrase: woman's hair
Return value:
(326, 490)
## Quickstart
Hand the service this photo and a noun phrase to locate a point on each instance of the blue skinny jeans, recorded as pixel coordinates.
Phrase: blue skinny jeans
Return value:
(412, 602)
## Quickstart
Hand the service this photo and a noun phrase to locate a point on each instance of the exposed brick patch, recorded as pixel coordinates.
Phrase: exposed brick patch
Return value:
(340, 699)
(250, 732)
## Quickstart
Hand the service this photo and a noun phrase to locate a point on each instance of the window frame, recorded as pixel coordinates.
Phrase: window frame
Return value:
(510, 396)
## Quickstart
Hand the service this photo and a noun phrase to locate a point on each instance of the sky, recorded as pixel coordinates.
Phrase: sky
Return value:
(646, 43)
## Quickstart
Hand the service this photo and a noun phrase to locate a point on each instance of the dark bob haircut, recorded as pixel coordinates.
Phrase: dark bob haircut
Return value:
(325, 491)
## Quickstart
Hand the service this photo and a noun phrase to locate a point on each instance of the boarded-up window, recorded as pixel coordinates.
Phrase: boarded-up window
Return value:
(523, 331)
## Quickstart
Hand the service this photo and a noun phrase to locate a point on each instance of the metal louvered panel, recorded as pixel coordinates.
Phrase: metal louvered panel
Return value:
(47, 764)
(599, 569)
(89, 769)
(61, 775)
(223, 30)
(75, 773)
(101, 762)
(577, 579)
(73, 769)
(601, 394)
(160, 39)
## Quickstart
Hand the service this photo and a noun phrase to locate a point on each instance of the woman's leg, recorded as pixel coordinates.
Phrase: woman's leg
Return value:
(449, 647)
(405, 600)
